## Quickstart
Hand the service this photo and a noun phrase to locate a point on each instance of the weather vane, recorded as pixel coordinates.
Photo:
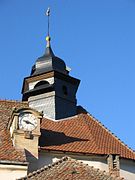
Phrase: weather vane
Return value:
(48, 39)
(48, 15)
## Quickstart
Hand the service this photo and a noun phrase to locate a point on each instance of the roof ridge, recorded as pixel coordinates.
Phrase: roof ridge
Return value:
(66, 158)
(63, 119)
(87, 123)
(11, 100)
(108, 130)
(48, 166)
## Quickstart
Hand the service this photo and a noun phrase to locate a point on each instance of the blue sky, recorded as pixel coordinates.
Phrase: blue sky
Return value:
(95, 38)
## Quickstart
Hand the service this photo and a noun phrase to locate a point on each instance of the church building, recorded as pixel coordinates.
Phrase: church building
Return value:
(48, 136)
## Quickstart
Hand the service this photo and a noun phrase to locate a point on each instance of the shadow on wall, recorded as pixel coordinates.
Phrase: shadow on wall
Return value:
(127, 165)
(32, 161)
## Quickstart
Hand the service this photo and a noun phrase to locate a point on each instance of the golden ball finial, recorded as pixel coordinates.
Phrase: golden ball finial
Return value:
(48, 38)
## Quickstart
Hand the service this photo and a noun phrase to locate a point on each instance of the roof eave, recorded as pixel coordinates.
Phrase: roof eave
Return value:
(24, 163)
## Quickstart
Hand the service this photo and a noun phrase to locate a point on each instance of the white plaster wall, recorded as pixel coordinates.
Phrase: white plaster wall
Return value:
(32, 84)
(127, 169)
(96, 162)
(12, 172)
(49, 158)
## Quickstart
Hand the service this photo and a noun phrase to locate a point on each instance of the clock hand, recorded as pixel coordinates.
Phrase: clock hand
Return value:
(28, 122)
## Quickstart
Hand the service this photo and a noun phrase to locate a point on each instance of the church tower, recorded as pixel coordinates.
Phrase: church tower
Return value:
(50, 88)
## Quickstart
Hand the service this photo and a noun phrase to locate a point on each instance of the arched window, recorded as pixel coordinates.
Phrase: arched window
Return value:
(41, 83)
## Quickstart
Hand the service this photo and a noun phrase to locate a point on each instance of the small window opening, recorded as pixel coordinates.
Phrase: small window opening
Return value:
(40, 83)
(114, 161)
(65, 91)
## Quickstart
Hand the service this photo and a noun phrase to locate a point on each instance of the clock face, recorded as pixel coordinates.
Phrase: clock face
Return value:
(27, 122)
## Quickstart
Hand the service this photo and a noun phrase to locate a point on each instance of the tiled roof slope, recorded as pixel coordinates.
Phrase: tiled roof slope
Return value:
(69, 169)
(78, 134)
(81, 134)
(7, 151)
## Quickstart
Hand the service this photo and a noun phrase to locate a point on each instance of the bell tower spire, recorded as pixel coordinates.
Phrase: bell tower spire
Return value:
(50, 88)
(48, 50)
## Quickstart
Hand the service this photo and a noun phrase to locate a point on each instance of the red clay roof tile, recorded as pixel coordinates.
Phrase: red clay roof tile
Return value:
(7, 151)
(78, 134)
(81, 134)
(69, 169)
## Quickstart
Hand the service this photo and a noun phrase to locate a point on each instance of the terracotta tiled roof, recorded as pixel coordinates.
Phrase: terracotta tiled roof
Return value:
(69, 169)
(78, 134)
(7, 151)
(81, 134)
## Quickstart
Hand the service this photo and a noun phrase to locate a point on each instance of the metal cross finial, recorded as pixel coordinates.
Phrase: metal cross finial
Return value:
(48, 14)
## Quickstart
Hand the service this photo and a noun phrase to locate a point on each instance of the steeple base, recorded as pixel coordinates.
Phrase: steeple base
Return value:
(52, 106)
